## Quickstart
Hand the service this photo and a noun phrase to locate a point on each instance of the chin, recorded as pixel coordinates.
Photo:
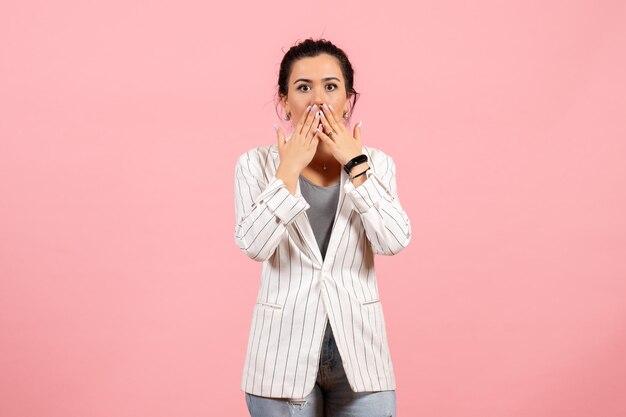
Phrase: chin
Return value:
(323, 144)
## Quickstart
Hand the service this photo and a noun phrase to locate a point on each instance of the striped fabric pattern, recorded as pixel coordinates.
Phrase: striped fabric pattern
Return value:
(300, 292)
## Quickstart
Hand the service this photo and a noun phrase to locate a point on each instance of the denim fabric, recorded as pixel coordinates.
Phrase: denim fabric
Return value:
(331, 396)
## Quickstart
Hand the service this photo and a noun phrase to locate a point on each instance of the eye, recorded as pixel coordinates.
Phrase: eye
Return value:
(299, 88)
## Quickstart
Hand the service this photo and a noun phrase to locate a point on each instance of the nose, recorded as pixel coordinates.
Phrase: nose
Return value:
(318, 99)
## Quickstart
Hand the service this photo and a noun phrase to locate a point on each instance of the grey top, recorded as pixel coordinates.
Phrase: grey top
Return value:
(321, 214)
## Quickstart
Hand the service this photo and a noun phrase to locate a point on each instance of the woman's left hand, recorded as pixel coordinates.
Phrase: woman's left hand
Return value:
(342, 144)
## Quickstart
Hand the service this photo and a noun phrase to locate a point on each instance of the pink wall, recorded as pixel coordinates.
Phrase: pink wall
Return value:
(123, 293)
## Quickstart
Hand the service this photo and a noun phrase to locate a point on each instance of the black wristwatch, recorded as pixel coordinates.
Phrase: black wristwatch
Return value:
(355, 161)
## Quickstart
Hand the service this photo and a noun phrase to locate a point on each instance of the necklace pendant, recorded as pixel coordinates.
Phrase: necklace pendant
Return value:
(324, 167)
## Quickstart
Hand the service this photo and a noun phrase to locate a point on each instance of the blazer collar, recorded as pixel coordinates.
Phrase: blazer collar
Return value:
(302, 225)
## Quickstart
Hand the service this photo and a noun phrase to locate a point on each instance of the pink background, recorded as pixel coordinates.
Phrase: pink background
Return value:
(123, 292)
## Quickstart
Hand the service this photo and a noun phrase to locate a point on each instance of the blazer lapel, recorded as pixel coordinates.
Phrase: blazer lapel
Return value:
(302, 225)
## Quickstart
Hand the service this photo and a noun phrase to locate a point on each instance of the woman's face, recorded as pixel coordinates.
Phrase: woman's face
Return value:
(315, 80)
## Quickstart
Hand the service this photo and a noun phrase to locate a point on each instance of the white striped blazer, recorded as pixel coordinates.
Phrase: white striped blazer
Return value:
(300, 292)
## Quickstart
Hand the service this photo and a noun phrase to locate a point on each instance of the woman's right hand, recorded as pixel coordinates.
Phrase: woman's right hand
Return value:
(296, 153)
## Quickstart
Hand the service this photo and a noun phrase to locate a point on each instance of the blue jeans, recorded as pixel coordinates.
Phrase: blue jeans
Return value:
(331, 396)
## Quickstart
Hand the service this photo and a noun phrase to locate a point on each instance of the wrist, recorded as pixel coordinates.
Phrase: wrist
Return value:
(359, 160)
(286, 171)
(357, 169)
(344, 163)
(358, 175)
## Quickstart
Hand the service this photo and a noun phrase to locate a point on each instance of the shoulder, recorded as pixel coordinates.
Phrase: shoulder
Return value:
(381, 162)
(257, 155)
(374, 153)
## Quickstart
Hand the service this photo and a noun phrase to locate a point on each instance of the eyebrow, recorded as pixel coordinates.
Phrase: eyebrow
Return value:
(323, 79)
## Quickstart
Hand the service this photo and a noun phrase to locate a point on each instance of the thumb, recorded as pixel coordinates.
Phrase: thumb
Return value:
(357, 131)
(280, 135)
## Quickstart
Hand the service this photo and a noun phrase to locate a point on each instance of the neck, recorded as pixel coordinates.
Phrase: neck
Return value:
(321, 159)
(323, 155)
(324, 166)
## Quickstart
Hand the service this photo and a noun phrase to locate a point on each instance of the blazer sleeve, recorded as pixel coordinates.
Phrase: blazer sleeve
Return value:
(263, 208)
(386, 224)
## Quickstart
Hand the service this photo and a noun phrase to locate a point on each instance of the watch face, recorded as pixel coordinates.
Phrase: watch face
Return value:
(355, 161)
(360, 158)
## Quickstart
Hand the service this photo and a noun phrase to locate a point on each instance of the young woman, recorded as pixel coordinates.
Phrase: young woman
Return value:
(314, 208)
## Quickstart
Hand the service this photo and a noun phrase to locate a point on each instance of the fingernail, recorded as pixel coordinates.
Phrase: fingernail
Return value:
(331, 107)
(360, 123)
(275, 127)
(308, 107)
(314, 107)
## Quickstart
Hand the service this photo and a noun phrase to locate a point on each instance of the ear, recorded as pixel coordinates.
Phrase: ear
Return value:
(283, 101)
(347, 108)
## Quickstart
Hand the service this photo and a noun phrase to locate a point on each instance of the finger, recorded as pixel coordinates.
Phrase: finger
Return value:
(314, 125)
(324, 137)
(314, 141)
(314, 135)
(280, 135)
(318, 130)
(329, 112)
(309, 120)
(326, 125)
(303, 118)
